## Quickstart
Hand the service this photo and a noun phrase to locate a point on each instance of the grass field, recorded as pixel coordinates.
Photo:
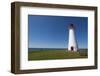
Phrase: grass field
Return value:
(49, 54)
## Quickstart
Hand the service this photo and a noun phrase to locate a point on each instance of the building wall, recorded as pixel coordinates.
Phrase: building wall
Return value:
(72, 44)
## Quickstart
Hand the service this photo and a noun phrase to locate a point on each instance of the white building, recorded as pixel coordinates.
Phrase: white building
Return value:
(72, 42)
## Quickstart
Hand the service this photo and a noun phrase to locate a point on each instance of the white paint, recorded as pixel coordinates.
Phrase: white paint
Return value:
(72, 43)
(25, 64)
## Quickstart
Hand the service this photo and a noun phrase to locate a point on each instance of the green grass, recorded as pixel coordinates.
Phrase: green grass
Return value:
(55, 54)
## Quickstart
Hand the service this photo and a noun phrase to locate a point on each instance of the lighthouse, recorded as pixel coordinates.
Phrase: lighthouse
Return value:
(72, 42)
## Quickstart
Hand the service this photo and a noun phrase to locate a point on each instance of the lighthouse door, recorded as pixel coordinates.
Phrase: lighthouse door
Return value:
(72, 48)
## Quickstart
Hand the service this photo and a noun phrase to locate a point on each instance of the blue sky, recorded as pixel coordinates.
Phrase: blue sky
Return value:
(52, 31)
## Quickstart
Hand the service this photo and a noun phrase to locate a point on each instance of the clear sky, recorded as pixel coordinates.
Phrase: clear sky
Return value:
(52, 31)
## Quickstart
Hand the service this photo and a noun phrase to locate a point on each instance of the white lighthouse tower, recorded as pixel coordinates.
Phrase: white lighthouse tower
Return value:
(72, 43)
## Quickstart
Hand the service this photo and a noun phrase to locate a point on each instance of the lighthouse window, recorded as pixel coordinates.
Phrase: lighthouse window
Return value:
(72, 48)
